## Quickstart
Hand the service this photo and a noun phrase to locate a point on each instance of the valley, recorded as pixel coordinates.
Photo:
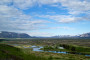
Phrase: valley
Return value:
(49, 48)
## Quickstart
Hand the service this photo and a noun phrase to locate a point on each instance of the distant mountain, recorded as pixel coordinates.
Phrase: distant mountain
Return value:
(62, 36)
(5, 34)
(86, 35)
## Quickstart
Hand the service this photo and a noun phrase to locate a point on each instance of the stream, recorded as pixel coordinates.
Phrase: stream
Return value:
(37, 48)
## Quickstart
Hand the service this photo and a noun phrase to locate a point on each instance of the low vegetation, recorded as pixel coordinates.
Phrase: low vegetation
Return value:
(8, 50)
(76, 48)
(73, 49)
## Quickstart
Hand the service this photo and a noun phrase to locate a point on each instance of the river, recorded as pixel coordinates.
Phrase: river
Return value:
(37, 48)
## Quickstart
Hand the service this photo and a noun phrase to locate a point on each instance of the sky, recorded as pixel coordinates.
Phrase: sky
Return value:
(45, 17)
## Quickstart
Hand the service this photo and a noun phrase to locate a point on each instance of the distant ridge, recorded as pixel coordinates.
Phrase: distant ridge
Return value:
(86, 35)
(5, 34)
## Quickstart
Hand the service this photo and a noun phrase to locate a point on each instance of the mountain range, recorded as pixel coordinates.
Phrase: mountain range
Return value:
(5, 34)
(86, 35)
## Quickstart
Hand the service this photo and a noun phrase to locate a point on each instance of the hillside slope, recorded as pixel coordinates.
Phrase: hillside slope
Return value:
(86, 35)
(8, 52)
(5, 34)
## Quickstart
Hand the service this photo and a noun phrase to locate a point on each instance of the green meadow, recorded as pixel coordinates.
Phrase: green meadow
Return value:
(14, 49)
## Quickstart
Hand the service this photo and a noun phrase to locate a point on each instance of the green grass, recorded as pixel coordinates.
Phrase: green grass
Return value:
(10, 52)
(76, 48)
(68, 48)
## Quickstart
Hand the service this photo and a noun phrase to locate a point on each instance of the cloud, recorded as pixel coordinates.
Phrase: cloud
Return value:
(76, 6)
(79, 6)
(9, 9)
(62, 18)
(12, 19)
(5, 2)
(47, 34)
(75, 9)
(66, 28)
(24, 4)
(43, 34)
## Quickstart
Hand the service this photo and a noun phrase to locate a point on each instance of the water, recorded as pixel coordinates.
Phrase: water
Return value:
(37, 48)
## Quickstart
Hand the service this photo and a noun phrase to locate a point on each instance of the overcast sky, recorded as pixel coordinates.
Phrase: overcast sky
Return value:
(45, 17)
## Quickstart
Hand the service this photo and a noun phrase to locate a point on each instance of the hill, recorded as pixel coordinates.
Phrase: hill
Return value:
(5, 34)
(8, 52)
(86, 35)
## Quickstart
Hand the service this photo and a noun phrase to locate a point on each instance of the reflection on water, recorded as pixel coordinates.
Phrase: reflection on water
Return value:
(87, 55)
(36, 48)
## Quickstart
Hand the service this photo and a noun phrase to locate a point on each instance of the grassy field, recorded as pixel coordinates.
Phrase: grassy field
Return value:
(20, 53)
(8, 52)
(48, 41)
